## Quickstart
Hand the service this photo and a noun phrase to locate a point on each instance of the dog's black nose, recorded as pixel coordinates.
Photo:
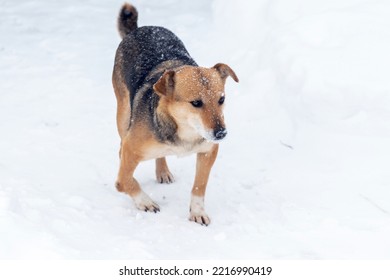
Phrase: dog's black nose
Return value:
(220, 133)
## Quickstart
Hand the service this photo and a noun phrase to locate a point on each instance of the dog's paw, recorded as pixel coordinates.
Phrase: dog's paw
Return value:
(165, 176)
(197, 213)
(200, 218)
(145, 203)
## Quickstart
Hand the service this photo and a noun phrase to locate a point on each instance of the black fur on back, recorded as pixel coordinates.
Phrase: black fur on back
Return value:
(147, 47)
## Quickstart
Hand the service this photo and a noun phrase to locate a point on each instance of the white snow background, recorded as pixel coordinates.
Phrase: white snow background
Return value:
(304, 173)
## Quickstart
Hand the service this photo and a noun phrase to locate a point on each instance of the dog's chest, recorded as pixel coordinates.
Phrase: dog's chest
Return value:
(184, 149)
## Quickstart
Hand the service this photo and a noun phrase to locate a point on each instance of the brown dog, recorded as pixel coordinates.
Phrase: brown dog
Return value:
(167, 105)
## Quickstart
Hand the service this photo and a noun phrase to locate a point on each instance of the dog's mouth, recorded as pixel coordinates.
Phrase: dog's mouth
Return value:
(215, 135)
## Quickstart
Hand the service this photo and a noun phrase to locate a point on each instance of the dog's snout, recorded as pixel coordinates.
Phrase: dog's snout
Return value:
(220, 133)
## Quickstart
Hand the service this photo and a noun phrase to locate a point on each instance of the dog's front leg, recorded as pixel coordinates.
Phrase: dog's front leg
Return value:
(203, 166)
(128, 184)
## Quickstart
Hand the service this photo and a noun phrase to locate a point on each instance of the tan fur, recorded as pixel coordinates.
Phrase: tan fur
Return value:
(122, 95)
(195, 83)
(204, 164)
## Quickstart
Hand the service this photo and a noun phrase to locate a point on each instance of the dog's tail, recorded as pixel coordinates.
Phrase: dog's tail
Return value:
(127, 19)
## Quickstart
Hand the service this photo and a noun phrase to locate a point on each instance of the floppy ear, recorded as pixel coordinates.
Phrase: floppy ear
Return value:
(166, 84)
(225, 71)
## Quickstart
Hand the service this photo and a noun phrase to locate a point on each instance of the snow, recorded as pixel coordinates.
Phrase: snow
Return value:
(303, 173)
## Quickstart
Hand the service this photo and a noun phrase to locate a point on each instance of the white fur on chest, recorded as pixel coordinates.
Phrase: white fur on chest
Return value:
(181, 150)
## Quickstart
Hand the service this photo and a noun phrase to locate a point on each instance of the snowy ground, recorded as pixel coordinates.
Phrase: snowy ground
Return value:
(304, 173)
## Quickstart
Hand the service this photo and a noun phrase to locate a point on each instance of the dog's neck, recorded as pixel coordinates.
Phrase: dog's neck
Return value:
(165, 127)
(169, 132)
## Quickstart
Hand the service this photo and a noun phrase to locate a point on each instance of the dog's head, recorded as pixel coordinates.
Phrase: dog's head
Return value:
(195, 98)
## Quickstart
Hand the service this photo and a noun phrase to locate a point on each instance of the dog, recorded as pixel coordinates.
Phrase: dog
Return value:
(166, 105)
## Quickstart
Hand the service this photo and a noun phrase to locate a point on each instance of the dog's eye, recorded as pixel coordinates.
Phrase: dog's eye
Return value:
(197, 103)
(221, 100)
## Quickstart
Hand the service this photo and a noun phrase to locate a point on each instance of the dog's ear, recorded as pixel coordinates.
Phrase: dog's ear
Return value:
(225, 71)
(166, 84)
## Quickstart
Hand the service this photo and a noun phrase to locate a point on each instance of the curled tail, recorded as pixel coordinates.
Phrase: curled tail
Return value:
(127, 19)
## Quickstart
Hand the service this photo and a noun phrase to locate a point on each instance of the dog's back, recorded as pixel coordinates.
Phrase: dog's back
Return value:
(143, 49)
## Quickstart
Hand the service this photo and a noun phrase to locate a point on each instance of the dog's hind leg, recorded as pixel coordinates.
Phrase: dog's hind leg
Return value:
(163, 174)
(123, 104)
(203, 166)
(123, 112)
